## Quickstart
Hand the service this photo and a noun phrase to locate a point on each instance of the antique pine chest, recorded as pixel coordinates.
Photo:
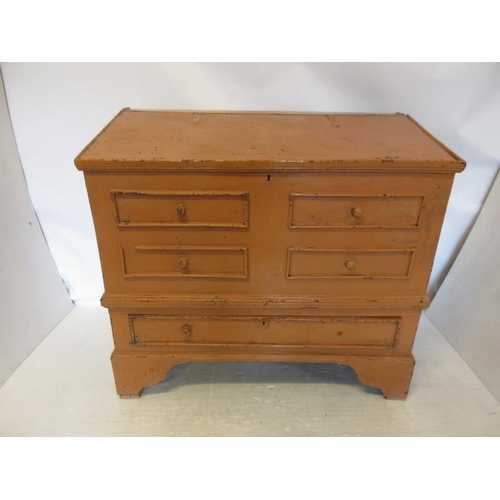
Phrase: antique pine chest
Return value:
(229, 236)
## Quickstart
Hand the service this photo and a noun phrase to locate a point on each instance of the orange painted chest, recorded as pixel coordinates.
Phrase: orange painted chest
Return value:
(266, 236)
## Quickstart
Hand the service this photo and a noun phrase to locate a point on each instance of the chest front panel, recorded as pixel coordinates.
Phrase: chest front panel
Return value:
(268, 233)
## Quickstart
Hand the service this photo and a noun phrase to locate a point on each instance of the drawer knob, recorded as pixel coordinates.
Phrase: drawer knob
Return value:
(186, 329)
(357, 212)
(350, 264)
(181, 210)
(183, 262)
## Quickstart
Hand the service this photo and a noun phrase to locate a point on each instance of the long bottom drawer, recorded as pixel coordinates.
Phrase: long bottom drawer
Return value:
(324, 331)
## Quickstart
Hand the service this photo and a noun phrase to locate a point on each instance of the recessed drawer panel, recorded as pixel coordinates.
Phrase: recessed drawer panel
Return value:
(156, 261)
(337, 211)
(237, 330)
(313, 263)
(181, 209)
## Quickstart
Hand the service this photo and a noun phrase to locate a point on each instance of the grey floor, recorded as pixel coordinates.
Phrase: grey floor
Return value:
(65, 388)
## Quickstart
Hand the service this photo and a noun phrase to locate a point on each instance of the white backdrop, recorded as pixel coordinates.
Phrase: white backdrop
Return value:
(465, 310)
(32, 296)
(56, 109)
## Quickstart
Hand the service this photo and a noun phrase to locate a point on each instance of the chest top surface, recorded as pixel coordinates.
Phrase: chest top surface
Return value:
(187, 140)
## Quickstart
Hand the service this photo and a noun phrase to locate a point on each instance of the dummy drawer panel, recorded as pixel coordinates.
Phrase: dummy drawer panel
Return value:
(309, 211)
(178, 209)
(318, 263)
(180, 262)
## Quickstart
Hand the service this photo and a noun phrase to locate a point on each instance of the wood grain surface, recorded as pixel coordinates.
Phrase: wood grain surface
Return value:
(155, 139)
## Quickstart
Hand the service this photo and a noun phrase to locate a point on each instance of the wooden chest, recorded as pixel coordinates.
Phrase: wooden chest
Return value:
(266, 237)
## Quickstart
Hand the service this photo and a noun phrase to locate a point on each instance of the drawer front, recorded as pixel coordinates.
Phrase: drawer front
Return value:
(181, 209)
(180, 262)
(316, 263)
(253, 330)
(338, 211)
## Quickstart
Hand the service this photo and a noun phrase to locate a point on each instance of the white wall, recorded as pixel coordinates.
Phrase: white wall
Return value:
(32, 296)
(57, 108)
(466, 309)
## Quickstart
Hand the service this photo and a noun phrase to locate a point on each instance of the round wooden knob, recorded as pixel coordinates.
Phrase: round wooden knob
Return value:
(356, 212)
(183, 262)
(180, 209)
(350, 264)
(186, 329)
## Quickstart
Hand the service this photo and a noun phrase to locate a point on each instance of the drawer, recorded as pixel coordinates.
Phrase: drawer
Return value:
(180, 262)
(151, 329)
(181, 209)
(309, 210)
(317, 263)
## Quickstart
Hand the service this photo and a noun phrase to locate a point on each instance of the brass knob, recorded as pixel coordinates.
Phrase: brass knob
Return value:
(356, 212)
(183, 262)
(186, 329)
(181, 210)
(350, 264)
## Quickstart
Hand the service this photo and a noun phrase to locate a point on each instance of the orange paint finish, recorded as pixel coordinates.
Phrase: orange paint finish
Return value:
(266, 236)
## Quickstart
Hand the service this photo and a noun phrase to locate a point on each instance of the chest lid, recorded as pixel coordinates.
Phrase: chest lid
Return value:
(251, 141)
